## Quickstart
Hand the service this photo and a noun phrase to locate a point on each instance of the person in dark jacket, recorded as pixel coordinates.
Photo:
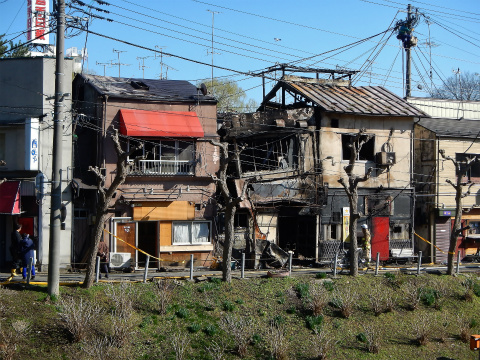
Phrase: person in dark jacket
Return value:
(104, 254)
(15, 248)
(27, 251)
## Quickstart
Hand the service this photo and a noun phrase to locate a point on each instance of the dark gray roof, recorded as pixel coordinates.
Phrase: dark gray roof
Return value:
(154, 90)
(452, 127)
(364, 100)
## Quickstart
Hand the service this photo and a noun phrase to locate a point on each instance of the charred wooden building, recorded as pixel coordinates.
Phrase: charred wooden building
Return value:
(294, 150)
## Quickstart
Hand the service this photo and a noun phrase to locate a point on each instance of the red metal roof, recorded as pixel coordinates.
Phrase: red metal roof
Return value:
(144, 123)
(10, 197)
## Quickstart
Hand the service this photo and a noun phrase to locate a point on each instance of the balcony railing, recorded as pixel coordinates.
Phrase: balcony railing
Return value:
(162, 167)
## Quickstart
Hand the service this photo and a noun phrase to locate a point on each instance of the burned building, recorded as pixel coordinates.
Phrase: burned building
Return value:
(293, 151)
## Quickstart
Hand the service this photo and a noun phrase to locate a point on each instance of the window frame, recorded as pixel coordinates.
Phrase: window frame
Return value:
(362, 153)
(191, 223)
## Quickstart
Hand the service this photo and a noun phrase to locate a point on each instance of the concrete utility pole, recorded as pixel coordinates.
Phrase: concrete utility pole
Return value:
(56, 190)
(408, 70)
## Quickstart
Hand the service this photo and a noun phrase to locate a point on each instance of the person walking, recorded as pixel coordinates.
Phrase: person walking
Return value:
(104, 254)
(27, 251)
(15, 248)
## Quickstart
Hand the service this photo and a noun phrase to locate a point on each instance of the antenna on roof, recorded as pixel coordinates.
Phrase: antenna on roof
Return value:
(203, 89)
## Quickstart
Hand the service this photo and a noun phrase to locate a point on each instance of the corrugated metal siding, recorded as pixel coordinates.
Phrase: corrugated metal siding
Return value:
(442, 238)
(365, 100)
(449, 109)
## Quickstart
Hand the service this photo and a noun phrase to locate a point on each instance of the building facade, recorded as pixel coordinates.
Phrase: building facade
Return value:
(166, 206)
(453, 128)
(27, 94)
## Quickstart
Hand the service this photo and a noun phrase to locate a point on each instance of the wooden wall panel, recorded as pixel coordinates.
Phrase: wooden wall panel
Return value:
(164, 210)
(165, 233)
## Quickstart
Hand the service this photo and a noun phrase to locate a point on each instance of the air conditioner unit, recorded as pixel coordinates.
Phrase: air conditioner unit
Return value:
(385, 158)
(120, 260)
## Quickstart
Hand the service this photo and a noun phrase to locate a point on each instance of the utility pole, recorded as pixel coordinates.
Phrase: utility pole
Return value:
(213, 19)
(118, 54)
(408, 70)
(405, 30)
(56, 190)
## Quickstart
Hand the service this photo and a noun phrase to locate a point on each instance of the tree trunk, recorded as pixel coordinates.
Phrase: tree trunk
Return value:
(456, 228)
(92, 255)
(230, 211)
(353, 233)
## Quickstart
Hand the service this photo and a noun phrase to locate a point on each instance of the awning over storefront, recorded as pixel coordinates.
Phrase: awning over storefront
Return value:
(10, 197)
(144, 123)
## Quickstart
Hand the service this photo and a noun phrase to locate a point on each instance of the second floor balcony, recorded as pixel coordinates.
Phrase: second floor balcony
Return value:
(162, 167)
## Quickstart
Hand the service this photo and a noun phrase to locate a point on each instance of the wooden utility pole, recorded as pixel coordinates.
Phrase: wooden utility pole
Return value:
(56, 190)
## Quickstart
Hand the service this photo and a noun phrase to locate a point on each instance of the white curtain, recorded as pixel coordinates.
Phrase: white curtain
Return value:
(200, 232)
(181, 233)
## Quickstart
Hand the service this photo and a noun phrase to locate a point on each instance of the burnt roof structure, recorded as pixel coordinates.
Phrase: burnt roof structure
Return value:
(147, 89)
(340, 97)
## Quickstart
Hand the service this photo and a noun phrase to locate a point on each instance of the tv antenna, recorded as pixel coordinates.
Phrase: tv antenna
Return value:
(118, 63)
(213, 20)
(142, 66)
(104, 65)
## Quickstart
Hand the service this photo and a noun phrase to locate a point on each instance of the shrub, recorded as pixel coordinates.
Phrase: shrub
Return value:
(423, 327)
(182, 313)
(429, 296)
(303, 290)
(323, 344)
(370, 338)
(276, 343)
(78, 317)
(193, 328)
(321, 275)
(345, 300)
(291, 310)
(11, 336)
(319, 299)
(277, 320)
(314, 323)
(164, 294)
(180, 343)
(240, 328)
(329, 285)
(210, 330)
(228, 306)
(412, 295)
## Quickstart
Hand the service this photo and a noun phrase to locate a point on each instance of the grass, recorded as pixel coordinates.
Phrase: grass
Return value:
(193, 325)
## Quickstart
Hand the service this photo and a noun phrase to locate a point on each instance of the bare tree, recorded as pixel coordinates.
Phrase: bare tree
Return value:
(461, 168)
(461, 86)
(105, 197)
(231, 200)
(356, 143)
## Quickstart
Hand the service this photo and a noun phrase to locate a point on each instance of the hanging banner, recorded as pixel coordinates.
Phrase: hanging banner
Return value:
(37, 21)
(346, 224)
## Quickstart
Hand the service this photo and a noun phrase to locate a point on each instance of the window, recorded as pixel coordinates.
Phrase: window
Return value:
(366, 153)
(333, 232)
(473, 173)
(270, 154)
(164, 158)
(191, 232)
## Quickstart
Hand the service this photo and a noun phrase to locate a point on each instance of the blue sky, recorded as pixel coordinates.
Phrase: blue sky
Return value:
(250, 36)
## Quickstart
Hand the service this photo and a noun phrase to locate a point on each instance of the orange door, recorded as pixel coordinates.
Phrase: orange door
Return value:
(126, 232)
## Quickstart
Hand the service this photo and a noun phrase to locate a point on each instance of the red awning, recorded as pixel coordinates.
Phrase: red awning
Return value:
(10, 197)
(160, 123)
